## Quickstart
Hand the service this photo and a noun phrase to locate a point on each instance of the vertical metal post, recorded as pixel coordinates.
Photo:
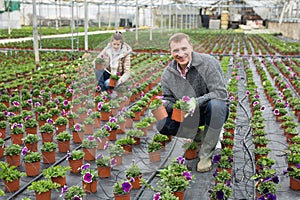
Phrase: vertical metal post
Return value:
(161, 16)
(181, 16)
(170, 17)
(99, 17)
(151, 20)
(72, 25)
(35, 34)
(56, 17)
(116, 15)
(176, 17)
(86, 21)
(137, 21)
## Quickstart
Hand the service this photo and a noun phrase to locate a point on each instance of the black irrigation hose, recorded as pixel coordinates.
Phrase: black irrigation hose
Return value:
(152, 176)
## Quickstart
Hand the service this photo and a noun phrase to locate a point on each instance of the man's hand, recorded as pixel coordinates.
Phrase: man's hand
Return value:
(192, 106)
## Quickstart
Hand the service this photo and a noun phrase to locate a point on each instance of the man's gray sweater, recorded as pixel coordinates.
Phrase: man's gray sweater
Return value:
(204, 81)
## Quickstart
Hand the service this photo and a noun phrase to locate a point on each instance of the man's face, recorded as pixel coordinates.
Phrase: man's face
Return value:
(181, 52)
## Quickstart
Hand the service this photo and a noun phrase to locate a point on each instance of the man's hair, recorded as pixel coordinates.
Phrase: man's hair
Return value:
(177, 37)
(118, 36)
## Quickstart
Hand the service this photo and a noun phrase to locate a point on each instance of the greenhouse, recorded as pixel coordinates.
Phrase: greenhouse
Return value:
(90, 89)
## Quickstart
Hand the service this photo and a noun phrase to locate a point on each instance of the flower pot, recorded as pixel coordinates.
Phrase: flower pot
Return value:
(178, 115)
(90, 187)
(160, 113)
(128, 122)
(2, 133)
(32, 147)
(63, 146)
(294, 184)
(104, 116)
(62, 180)
(48, 157)
(136, 184)
(119, 160)
(89, 129)
(60, 128)
(179, 194)
(190, 154)
(121, 129)
(122, 196)
(104, 172)
(137, 116)
(154, 156)
(2, 151)
(43, 195)
(32, 130)
(75, 165)
(112, 82)
(127, 149)
(77, 136)
(89, 154)
(14, 160)
(47, 137)
(12, 186)
(16, 138)
(112, 135)
(102, 143)
(32, 169)
(137, 140)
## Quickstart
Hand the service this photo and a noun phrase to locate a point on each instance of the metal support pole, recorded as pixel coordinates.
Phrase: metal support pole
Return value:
(35, 34)
(86, 21)
(181, 21)
(161, 16)
(99, 17)
(151, 20)
(56, 17)
(116, 15)
(176, 17)
(72, 26)
(137, 21)
(170, 17)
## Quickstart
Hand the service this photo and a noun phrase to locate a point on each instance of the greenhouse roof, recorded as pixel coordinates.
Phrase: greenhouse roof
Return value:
(196, 3)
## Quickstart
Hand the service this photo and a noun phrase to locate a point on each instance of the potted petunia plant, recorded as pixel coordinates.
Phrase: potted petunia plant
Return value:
(221, 191)
(10, 176)
(122, 190)
(75, 159)
(43, 186)
(89, 178)
(75, 192)
(180, 108)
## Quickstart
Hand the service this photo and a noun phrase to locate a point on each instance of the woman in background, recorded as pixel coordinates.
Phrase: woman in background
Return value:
(116, 57)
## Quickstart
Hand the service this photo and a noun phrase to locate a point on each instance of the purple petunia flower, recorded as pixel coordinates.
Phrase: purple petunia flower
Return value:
(63, 190)
(220, 195)
(298, 166)
(215, 173)
(107, 127)
(16, 103)
(77, 127)
(255, 103)
(91, 138)
(5, 113)
(50, 121)
(89, 112)
(66, 102)
(85, 166)
(187, 175)
(20, 125)
(27, 118)
(126, 186)
(98, 88)
(256, 96)
(99, 156)
(247, 92)
(132, 180)
(185, 98)
(286, 104)
(261, 198)
(271, 196)
(180, 160)
(112, 119)
(227, 182)
(262, 108)
(217, 158)
(99, 106)
(275, 179)
(37, 104)
(276, 112)
(29, 101)
(113, 162)
(68, 155)
(98, 139)
(106, 145)
(24, 151)
(88, 177)
(157, 196)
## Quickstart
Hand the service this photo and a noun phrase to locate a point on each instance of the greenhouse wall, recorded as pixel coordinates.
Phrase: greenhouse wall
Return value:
(12, 19)
(288, 29)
